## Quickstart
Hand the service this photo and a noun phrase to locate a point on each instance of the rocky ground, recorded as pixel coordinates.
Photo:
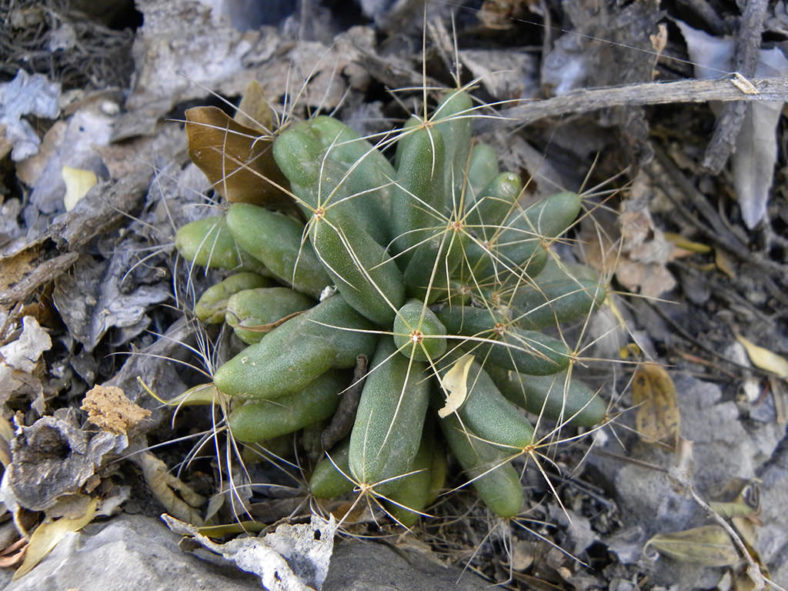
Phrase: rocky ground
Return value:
(683, 165)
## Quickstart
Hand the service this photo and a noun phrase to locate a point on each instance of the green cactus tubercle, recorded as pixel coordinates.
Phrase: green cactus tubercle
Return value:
(434, 259)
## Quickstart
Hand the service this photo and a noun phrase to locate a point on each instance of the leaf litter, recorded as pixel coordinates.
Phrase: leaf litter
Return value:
(152, 99)
(756, 146)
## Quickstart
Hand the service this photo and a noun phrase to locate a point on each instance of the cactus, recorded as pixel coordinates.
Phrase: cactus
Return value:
(444, 281)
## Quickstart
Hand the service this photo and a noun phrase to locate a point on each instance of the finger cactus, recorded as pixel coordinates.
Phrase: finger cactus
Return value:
(443, 280)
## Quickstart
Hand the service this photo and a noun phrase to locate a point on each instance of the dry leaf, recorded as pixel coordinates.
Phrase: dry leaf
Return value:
(78, 182)
(683, 243)
(659, 40)
(49, 533)
(110, 410)
(238, 160)
(708, 545)
(756, 146)
(455, 384)
(724, 263)
(739, 498)
(231, 529)
(764, 358)
(253, 111)
(657, 417)
(755, 156)
(6, 435)
(740, 503)
(12, 555)
(26, 95)
(632, 246)
(165, 486)
(732, 509)
(497, 14)
(19, 361)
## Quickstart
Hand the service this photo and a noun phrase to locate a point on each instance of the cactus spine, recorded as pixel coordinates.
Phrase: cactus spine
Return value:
(434, 259)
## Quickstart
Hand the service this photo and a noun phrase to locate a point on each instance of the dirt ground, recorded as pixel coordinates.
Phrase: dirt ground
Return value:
(668, 117)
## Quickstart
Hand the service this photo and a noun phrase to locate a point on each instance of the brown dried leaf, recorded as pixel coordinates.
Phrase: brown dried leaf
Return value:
(15, 267)
(740, 497)
(176, 496)
(12, 555)
(708, 545)
(49, 533)
(110, 410)
(6, 435)
(631, 245)
(657, 417)
(237, 160)
(253, 111)
(765, 359)
(30, 170)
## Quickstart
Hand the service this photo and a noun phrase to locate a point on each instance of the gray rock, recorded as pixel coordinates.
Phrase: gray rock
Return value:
(648, 498)
(363, 566)
(129, 553)
(722, 449)
(132, 552)
(773, 535)
(725, 447)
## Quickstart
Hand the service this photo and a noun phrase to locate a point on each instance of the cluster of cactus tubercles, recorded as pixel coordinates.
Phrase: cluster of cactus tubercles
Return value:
(444, 283)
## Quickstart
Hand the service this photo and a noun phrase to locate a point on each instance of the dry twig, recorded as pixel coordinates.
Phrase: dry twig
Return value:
(745, 61)
(649, 93)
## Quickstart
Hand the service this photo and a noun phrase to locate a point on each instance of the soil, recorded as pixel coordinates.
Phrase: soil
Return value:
(683, 168)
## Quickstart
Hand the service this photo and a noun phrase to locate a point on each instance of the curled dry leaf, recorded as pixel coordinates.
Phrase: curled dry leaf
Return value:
(455, 384)
(92, 299)
(49, 533)
(740, 503)
(19, 360)
(646, 252)
(176, 496)
(13, 554)
(764, 358)
(55, 457)
(109, 409)
(657, 417)
(238, 160)
(26, 95)
(709, 545)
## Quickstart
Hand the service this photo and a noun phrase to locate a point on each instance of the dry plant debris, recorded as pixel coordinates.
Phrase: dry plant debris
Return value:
(110, 410)
(119, 236)
(657, 416)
